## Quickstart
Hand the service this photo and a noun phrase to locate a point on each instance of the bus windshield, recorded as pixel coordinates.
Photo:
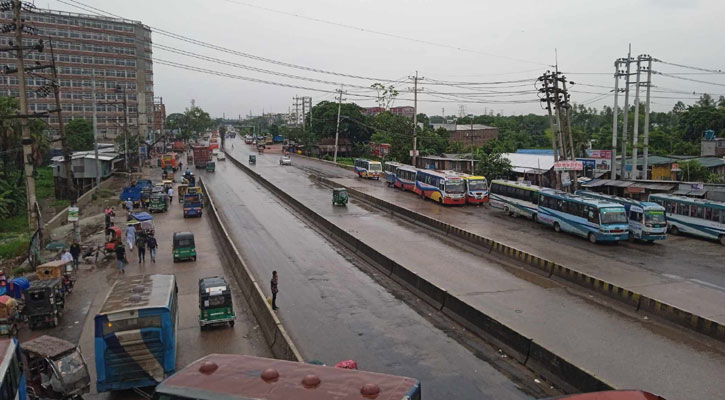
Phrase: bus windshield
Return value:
(478, 184)
(613, 215)
(654, 217)
(454, 187)
(375, 167)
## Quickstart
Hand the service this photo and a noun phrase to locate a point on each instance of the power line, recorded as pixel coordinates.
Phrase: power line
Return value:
(687, 79)
(708, 70)
(361, 29)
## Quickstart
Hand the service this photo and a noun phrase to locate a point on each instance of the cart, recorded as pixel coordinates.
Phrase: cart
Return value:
(339, 197)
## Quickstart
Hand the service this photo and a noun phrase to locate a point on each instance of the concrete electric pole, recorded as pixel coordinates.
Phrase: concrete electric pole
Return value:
(337, 129)
(415, 117)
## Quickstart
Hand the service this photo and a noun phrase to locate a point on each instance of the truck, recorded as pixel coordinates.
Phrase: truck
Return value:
(214, 143)
(132, 193)
(179, 146)
(202, 155)
(169, 161)
(278, 139)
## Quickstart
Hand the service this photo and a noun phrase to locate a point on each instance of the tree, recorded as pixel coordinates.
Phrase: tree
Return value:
(79, 134)
(385, 94)
(323, 122)
(693, 171)
(492, 165)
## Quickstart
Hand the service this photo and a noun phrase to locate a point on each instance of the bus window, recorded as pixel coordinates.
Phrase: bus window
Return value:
(654, 217)
(593, 215)
(635, 216)
(613, 215)
(715, 215)
(708, 213)
(700, 211)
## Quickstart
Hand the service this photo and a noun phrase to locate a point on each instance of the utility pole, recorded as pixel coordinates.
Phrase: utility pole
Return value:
(547, 90)
(635, 130)
(27, 140)
(72, 193)
(615, 122)
(415, 117)
(95, 135)
(645, 150)
(337, 129)
(625, 120)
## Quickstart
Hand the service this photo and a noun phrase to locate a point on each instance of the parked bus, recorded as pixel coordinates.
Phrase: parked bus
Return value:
(405, 177)
(368, 169)
(646, 219)
(236, 376)
(442, 187)
(515, 198)
(476, 188)
(389, 169)
(596, 220)
(12, 375)
(704, 218)
(135, 333)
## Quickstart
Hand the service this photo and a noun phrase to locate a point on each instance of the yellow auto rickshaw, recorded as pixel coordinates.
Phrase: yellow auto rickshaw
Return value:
(168, 184)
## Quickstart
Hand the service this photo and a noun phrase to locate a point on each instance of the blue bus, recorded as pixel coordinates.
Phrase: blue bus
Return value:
(515, 198)
(646, 219)
(593, 219)
(389, 169)
(440, 186)
(704, 218)
(136, 333)
(12, 374)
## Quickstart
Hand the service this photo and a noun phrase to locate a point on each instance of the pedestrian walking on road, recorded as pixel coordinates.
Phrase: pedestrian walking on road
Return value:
(151, 242)
(181, 165)
(275, 289)
(171, 195)
(66, 256)
(141, 246)
(75, 251)
(131, 236)
(121, 256)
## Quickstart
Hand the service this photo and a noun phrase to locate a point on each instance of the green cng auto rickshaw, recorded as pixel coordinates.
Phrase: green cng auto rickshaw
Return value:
(339, 197)
(215, 302)
(159, 202)
(252, 159)
(184, 247)
(210, 166)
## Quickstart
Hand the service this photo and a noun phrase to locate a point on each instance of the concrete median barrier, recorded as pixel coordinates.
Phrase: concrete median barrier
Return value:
(553, 368)
(274, 333)
(513, 343)
(510, 341)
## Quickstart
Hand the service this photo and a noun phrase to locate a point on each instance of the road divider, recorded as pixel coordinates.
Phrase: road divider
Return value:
(554, 368)
(637, 301)
(272, 329)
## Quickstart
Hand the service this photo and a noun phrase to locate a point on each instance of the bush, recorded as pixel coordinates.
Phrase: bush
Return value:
(327, 157)
(14, 246)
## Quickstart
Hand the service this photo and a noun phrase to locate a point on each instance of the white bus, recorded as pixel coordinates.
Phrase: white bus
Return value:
(704, 218)
(515, 198)
(596, 220)
(646, 219)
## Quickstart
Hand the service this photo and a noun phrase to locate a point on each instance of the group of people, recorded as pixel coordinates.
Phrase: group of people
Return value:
(142, 241)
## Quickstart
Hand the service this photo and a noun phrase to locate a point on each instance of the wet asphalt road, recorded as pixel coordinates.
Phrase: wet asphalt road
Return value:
(334, 311)
(684, 271)
(596, 338)
(93, 285)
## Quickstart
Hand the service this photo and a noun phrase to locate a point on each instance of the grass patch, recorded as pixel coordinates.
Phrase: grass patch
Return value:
(44, 185)
(106, 193)
(345, 160)
(14, 245)
(18, 223)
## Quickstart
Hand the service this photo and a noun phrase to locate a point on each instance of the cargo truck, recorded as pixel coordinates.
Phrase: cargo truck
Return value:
(202, 155)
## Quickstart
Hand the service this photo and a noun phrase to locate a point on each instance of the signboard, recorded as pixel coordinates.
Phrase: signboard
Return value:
(676, 167)
(414, 151)
(568, 165)
(565, 180)
(73, 214)
(600, 154)
(698, 186)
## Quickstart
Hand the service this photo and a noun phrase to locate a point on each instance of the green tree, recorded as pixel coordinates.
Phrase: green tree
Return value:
(693, 171)
(79, 134)
(385, 94)
(492, 165)
(323, 122)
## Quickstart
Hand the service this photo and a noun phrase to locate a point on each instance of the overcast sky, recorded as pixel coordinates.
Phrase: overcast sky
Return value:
(479, 41)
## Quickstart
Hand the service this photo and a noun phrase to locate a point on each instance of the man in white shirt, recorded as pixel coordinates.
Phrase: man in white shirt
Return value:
(67, 256)
(171, 195)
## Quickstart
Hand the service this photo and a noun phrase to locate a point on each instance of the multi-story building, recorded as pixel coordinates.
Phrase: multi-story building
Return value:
(94, 55)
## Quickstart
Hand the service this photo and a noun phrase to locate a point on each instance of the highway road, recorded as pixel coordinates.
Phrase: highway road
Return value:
(93, 285)
(684, 271)
(335, 311)
(594, 337)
